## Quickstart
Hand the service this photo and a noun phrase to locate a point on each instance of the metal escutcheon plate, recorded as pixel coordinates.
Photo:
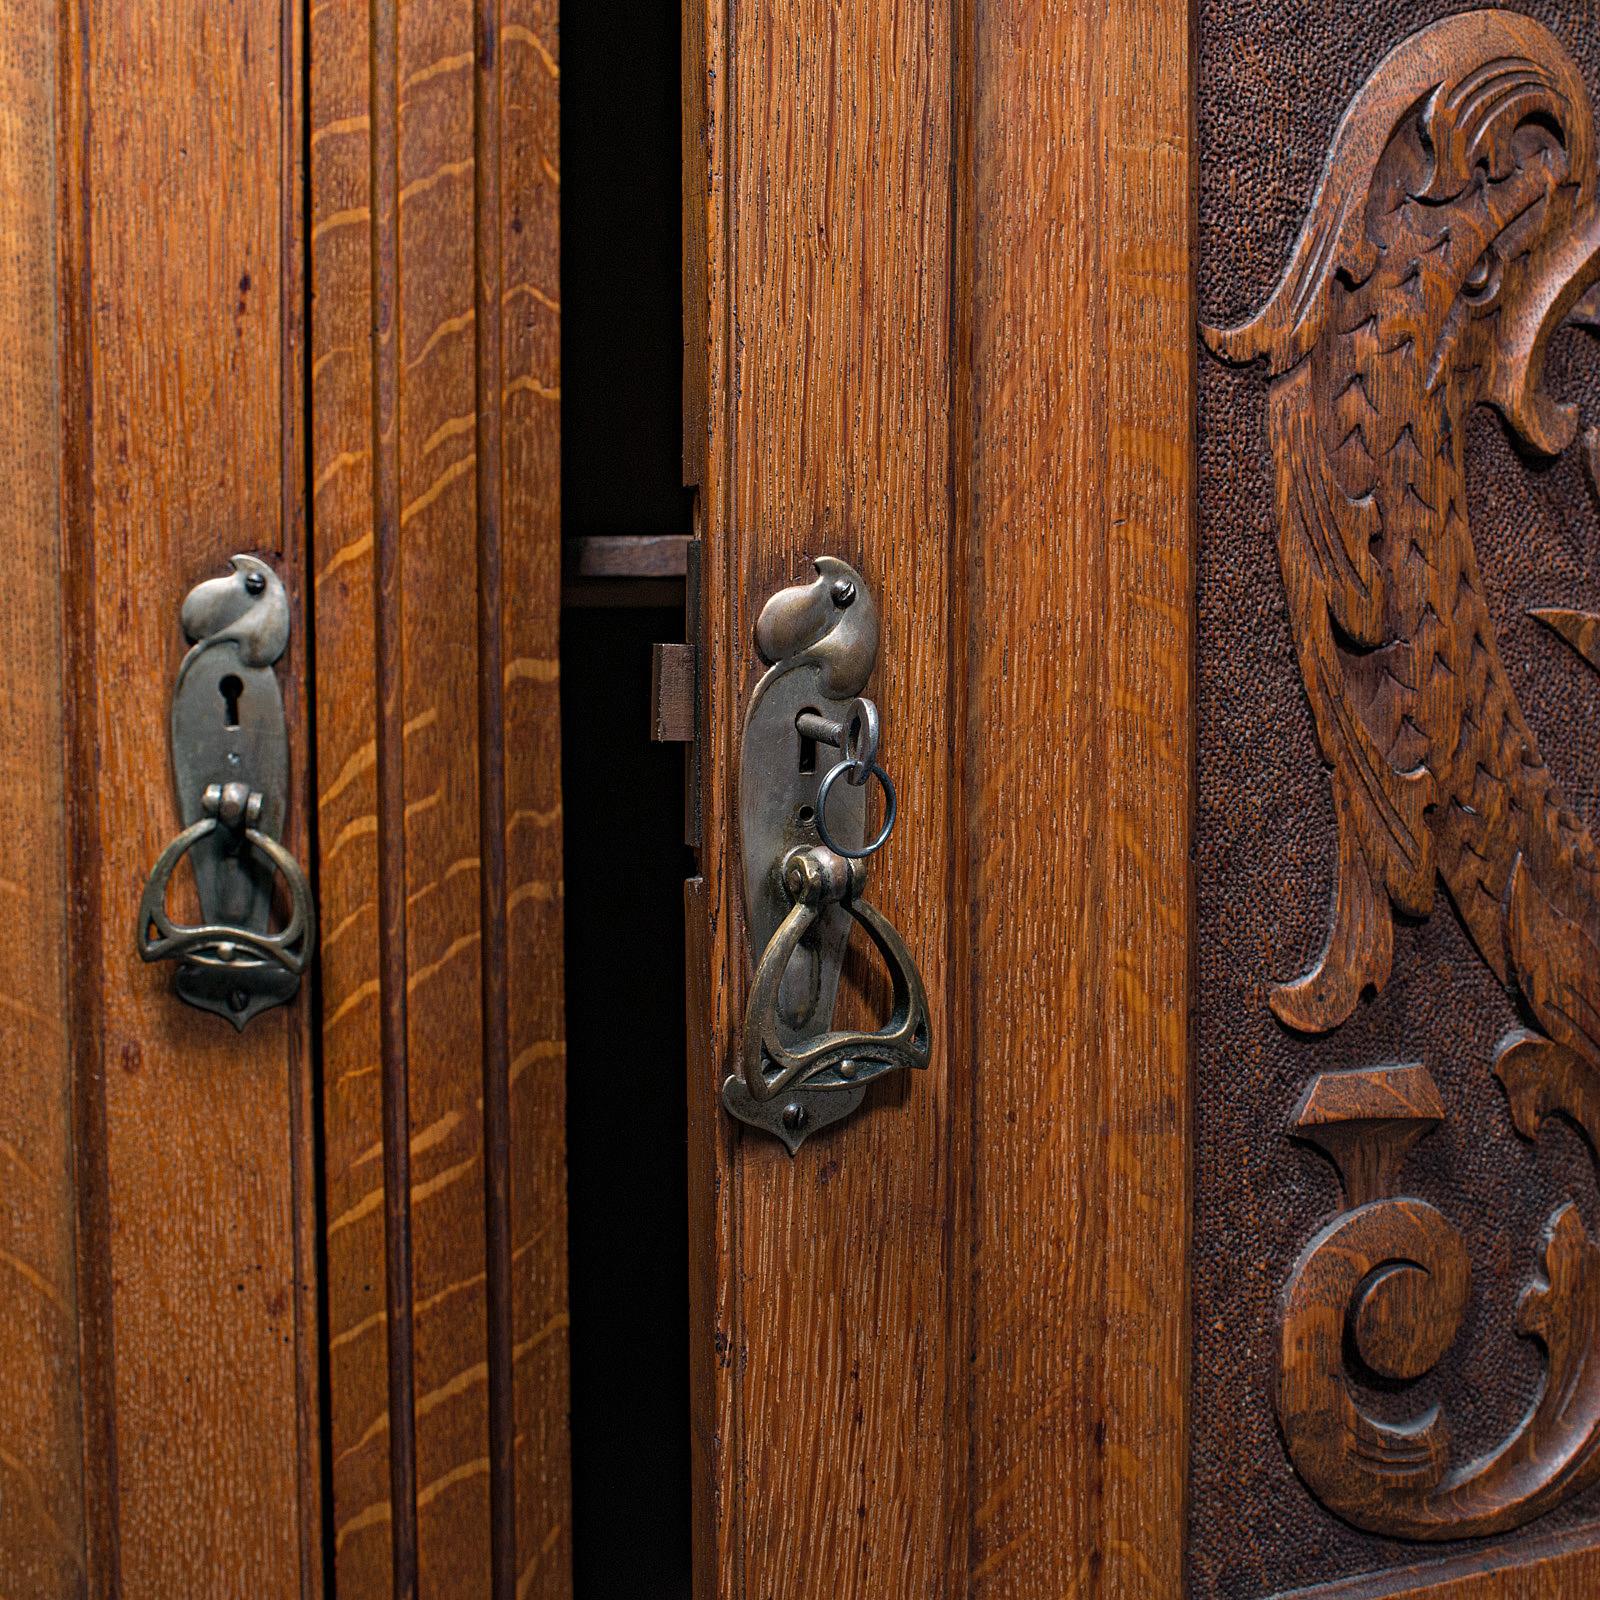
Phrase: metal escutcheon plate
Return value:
(821, 641)
(810, 752)
(229, 736)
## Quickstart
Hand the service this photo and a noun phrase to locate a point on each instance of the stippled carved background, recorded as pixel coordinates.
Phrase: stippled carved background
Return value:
(1274, 81)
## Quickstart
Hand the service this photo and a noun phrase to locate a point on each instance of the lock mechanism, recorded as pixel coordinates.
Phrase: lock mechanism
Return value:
(230, 760)
(809, 754)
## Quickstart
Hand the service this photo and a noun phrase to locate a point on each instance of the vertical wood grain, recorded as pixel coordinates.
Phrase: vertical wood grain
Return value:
(80, 753)
(712, 1228)
(530, 728)
(180, 290)
(439, 579)
(159, 1424)
(393, 842)
(488, 316)
(152, 298)
(713, 989)
(948, 324)
(828, 148)
(1080, 761)
(436, 460)
(41, 1466)
(304, 1043)
(359, 1018)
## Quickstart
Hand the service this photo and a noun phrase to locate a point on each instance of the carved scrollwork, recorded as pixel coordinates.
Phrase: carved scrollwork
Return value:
(1456, 226)
(1387, 1281)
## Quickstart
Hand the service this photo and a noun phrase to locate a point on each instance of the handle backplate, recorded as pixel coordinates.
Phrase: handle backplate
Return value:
(803, 878)
(230, 762)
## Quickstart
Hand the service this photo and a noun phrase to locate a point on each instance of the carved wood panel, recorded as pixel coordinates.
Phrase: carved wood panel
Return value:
(1393, 722)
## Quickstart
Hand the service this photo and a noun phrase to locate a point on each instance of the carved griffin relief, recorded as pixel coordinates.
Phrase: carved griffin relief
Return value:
(1455, 227)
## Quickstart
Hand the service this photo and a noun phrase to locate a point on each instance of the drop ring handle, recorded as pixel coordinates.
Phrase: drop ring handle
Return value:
(840, 1058)
(290, 947)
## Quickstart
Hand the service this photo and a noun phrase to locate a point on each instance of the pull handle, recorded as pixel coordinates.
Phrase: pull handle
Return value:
(230, 759)
(835, 1059)
(810, 748)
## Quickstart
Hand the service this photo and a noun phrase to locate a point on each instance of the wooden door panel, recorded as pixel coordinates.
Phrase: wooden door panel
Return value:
(1077, 779)
(192, 290)
(434, 841)
(41, 1438)
(358, 1155)
(1375, 868)
(523, 212)
(1088, 683)
(943, 1345)
(830, 1442)
(159, 1367)
(167, 1443)
(435, 452)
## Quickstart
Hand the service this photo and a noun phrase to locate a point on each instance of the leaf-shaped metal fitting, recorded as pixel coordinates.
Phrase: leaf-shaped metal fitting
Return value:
(810, 747)
(230, 760)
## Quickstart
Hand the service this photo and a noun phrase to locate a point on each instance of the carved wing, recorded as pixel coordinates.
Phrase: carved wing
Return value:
(1455, 226)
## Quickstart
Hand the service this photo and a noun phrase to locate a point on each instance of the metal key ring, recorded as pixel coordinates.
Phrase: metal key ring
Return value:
(891, 806)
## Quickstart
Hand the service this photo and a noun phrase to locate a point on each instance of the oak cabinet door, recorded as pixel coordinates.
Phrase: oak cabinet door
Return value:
(158, 1357)
(283, 1310)
(1208, 397)
(434, 391)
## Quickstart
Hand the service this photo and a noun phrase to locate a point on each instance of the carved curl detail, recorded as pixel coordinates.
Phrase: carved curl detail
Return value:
(1388, 1280)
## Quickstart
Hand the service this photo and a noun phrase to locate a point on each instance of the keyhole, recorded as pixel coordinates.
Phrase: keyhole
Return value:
(808, 746)
(231, 688)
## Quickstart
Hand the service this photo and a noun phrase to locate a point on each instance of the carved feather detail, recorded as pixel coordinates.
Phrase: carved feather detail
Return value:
(1455, 226)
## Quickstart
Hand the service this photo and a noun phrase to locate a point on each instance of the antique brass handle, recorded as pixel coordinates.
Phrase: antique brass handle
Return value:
(230, 757)
(836, 1059)
(810, 748)
(236, 808)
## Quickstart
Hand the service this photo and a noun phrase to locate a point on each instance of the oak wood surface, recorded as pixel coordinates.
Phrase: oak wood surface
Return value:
(1469, 799)
(1079, 774)
(41, 1464)
(436, 578)
(159, 1356)
(435, 386)
(85, 933)
(1410, 568)
(345, 493)
(828, 427)
(528, 223)
(941, 1351)
(193, 282)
